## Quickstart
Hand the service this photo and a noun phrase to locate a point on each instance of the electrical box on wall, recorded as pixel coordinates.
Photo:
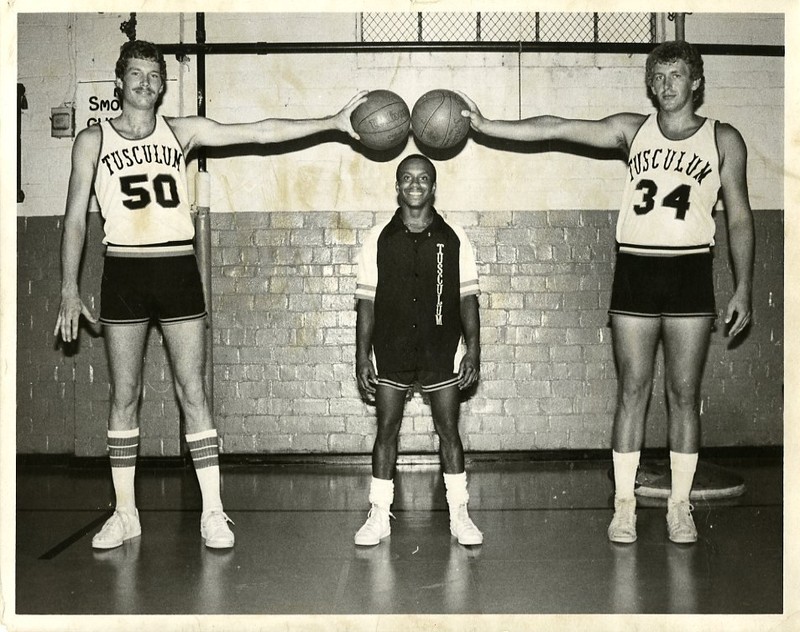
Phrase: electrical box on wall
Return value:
(62, 121)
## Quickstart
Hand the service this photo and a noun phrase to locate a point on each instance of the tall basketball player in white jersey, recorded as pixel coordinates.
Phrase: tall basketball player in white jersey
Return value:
(137, 166)
(678, 164)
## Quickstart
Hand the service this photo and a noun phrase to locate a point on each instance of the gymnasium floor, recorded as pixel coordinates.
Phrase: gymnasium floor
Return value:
(545, 548)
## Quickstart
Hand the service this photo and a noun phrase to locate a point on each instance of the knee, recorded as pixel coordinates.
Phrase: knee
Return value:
(125, 394)
(191, 393)
(635, 387)
(683, 394)
(388, 428)
(448, 432)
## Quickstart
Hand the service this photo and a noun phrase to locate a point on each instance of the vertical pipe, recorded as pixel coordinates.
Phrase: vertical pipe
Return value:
(519, 83)
(200, 36)
(203, 220)
(22, 104)
(203, 253)
(680, 26)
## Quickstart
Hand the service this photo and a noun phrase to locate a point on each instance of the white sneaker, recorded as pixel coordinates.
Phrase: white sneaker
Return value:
(623, 524)
(375, 528)
(215, 531)
(680, 524)
(462, 527)
(119, 527)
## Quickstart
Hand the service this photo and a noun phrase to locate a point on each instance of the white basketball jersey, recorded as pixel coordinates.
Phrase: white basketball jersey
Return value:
(670, 192)
(141, 187)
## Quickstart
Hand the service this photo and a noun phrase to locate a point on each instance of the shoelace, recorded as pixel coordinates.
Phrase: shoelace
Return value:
(462, 518)
(214, 519)
(372, 509)
(112, 524)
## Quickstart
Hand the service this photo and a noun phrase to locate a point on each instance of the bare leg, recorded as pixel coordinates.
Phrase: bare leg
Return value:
(445, 409)
(686, 342)
(635, 341)
(187, 349)
(125, 348)
(390, 403)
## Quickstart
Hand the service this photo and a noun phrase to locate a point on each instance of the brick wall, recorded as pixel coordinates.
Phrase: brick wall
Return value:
(284, 334)
(62, 390)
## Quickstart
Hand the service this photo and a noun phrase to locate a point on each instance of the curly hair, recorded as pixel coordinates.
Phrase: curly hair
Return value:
(669, 52)
(139, 49)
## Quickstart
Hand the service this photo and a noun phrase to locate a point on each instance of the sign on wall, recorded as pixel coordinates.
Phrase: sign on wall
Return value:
(95, 101)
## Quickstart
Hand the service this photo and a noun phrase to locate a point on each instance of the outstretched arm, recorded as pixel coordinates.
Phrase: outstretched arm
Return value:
(469, 371)
(613, 131)
(84, 153)
(196, 131)
(365, 371)
(733, 177)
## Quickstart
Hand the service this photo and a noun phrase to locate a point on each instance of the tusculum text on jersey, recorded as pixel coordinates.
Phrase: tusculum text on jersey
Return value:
(439, 281)
(668, 160)
(142, 154)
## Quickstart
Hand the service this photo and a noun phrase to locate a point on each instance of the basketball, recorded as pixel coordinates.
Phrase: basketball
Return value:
(436, 119)
(382, 121)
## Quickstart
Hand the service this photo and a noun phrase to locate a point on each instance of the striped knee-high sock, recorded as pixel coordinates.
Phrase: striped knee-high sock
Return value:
(123, 446)
(204, 448)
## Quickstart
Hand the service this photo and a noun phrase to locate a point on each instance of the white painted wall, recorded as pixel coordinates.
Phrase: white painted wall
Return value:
(61, 56)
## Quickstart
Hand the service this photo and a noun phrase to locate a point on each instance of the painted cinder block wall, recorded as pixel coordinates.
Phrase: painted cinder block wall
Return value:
(287, 223)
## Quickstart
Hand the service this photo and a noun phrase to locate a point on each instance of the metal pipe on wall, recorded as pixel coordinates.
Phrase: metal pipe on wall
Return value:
(287, 48)
(203, 219)
(680, 26)
(202, 240)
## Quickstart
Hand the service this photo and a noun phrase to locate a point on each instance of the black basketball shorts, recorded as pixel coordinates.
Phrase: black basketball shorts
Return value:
(429, 381)
(653, 286)
(138, 289)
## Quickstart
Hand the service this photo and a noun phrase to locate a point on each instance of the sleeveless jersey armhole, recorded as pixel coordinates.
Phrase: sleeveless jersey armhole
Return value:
(97, 159)
(635, 134)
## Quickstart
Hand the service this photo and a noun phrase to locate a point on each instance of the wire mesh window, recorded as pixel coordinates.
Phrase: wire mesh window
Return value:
(505, 27)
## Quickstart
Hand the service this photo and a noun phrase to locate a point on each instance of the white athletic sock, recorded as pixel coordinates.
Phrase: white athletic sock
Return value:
(204, 448)
(123, 446)
(683, 467)
(381, 492)
(456, 489)
(625, 466)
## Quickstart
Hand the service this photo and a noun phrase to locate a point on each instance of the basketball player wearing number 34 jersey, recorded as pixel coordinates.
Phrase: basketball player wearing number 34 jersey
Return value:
(677, 163)
(665, 228)
(137, 165)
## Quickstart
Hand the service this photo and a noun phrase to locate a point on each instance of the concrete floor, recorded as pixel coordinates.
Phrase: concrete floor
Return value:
(545, 548)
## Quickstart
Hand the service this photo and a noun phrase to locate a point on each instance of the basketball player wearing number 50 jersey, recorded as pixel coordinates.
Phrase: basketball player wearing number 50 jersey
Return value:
(150, 268)
(137, 166)
(676, 164)
(141, 187)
